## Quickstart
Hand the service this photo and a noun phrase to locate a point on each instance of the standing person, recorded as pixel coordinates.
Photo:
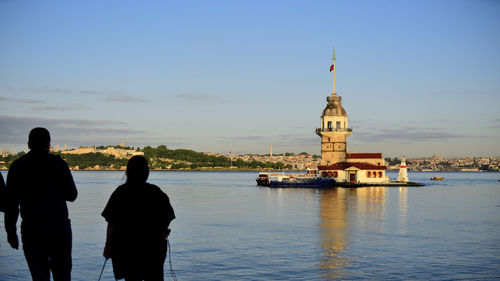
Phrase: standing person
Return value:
(39, 184)
(138, 216)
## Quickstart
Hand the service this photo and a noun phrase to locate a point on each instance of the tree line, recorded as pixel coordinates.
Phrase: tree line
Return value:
(159, 158)
(162, 157)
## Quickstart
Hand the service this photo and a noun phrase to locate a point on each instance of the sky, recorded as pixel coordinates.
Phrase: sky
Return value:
(417, 78)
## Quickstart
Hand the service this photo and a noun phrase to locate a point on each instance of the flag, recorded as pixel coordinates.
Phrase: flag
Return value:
(331, 68)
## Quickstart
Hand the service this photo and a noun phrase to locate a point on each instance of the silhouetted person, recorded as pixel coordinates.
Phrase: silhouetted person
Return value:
(138, 216)
(39, 184)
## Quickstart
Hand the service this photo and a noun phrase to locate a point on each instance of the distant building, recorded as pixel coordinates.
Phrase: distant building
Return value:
(117, 152)
(335, 161)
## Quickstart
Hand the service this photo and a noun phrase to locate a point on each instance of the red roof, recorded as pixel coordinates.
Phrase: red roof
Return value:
(363, 155)
(346, 165)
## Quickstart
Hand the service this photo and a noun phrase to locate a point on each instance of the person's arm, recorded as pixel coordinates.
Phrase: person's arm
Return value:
(107, 247)
(11, 209)
(68, 187)
(169, 215)
(2, 194)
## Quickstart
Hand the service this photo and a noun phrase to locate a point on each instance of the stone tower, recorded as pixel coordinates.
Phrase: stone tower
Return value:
(334, 128)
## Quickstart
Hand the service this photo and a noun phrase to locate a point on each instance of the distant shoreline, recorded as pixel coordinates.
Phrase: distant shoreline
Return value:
(249, 170)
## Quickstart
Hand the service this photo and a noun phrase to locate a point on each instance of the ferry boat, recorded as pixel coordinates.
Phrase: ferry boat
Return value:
(304, 182)
(436, 178)
(310, 179)
(264, 178)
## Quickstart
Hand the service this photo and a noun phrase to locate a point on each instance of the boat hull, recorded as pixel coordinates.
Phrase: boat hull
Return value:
(308, 183)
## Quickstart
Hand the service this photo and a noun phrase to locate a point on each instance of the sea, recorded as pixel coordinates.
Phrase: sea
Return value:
(227, 228)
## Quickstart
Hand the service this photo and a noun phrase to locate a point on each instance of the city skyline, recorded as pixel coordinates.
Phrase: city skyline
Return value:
(416, 78)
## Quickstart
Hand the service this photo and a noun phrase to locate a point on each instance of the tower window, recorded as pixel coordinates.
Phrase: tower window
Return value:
(338, 124)
(329, 125)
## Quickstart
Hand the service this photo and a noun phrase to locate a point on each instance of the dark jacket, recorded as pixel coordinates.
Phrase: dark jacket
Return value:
(40, 183)
(140, 214)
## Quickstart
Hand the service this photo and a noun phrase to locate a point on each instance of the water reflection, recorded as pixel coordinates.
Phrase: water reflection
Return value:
(333, 231)
(365, 207)
(403, 209)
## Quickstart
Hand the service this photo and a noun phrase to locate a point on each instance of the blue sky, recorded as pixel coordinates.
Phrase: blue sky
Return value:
(416, 77)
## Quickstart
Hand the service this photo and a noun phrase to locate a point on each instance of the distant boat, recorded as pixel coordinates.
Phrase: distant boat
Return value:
(310, 179)
(264, 178)
(436, 178)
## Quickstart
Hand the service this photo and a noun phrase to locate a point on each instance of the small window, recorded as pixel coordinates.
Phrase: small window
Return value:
(338, 125)
(368, 174)
(330, 125)
(380, 174)
(335, 174)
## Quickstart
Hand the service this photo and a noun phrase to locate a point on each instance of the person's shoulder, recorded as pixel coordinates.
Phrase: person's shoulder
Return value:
(120, 188)
(152, 186)
(55, 158)
(19, 161)
(119, 192)
(155, 188)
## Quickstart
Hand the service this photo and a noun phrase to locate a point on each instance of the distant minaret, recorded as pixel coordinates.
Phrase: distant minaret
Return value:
(65, 146)
(271, 151)
(403, 172)
(334, 128)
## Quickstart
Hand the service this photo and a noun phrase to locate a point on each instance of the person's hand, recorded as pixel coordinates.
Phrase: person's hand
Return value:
(13, 241)
(107, 252)
(166, 233)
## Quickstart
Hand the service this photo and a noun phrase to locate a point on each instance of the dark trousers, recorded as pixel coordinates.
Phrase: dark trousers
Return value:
(48, 249)
(140, 262)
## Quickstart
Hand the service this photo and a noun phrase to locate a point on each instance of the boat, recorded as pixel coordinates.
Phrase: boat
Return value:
(436, 178)
(264, 178)
(310, 179)
(312, 182)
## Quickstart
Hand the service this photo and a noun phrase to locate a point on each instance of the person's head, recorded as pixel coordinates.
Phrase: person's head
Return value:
(137, 169)
(39, 139)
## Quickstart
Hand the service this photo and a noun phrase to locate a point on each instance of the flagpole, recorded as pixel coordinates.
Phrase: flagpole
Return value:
(333, 93)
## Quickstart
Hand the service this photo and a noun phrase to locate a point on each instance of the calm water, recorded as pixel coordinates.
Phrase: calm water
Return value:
(229, 229)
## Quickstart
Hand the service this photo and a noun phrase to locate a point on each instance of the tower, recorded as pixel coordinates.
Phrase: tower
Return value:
(334, 127)
(403, 172)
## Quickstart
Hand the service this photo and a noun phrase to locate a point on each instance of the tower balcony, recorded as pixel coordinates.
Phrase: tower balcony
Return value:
(319, 131)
